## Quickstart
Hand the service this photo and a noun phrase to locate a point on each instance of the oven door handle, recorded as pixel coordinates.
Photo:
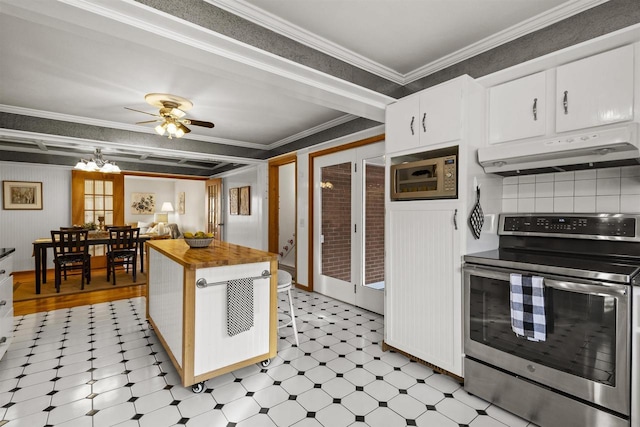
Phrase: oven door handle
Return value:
(583, 287)
(587, 288)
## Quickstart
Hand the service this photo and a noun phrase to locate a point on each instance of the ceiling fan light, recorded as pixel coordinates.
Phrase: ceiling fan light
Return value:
(179, 133)
(178, 113)
(160, 128)
(172, 128)
(115, 168)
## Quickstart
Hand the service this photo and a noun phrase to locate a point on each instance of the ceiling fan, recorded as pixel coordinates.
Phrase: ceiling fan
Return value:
(171, 115)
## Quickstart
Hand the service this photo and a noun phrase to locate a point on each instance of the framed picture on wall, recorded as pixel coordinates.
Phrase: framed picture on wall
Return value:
(21, 195)
(233, 201)
(245, 200)
(181, 203)
(143, 203)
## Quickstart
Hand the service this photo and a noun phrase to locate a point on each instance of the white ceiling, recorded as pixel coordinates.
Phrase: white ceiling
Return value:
(84, 60)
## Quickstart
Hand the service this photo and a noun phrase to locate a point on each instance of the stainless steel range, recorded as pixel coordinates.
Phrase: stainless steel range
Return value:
(578, 369)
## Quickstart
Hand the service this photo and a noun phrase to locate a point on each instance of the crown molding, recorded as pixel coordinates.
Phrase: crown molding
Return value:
(285, 28)
(312, 131)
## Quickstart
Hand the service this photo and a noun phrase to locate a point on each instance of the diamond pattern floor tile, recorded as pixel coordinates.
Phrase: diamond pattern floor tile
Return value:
(101, 365)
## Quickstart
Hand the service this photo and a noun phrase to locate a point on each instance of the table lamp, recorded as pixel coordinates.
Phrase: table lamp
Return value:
(163, 217)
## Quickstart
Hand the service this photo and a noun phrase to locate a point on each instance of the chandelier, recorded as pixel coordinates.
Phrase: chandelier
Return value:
(97, 164)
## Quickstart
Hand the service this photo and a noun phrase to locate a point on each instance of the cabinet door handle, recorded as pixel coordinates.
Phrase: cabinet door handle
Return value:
(424, 125)
(413, 119)
(535, 109)
(455, 219)
(3, 271)
(3, 340)
(565, 102)
(3, 303)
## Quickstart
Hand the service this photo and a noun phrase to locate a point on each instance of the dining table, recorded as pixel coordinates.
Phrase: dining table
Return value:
(41, 245)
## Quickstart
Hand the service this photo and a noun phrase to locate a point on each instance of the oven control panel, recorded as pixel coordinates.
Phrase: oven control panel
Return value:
(598, 226)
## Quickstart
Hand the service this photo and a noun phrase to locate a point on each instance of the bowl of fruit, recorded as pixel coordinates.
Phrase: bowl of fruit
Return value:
(198, 240)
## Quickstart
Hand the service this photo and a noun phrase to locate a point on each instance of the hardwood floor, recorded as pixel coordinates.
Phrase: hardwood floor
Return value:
(65, 301)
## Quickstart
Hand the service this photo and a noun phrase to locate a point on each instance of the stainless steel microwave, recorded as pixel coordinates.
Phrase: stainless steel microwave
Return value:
(435, 178)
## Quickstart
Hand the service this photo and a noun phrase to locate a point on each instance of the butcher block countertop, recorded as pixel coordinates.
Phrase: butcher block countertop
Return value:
(215, 255)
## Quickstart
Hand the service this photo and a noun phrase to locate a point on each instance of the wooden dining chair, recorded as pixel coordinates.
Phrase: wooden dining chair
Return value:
(71, 252)
(122, 250)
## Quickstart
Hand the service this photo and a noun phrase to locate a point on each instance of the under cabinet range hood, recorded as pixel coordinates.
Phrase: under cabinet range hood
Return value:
(596, 149)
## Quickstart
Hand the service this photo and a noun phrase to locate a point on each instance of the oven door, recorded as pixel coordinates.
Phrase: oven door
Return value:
(586, 351)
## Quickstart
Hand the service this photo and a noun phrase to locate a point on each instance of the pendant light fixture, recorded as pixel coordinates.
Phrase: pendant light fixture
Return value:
(97, 164)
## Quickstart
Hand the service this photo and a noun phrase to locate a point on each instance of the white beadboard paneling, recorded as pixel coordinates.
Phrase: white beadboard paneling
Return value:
(544, 189)
(425, 313)
(607, 186)
(19, 228)
(544, 204)
(563, 204)
(630, 203)
(213, 347)
(608, 204)
(563, 188)
(586, 204)
(165, 300)
(585, 187)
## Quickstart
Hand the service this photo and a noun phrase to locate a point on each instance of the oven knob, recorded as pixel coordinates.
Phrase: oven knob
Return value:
(531, 368)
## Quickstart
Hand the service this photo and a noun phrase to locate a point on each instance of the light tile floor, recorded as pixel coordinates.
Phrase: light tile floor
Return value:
(102, 365)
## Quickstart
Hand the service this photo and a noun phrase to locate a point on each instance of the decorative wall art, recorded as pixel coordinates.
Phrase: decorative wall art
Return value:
(233, 201)
(245, 200)
(143, 203)
(181, 198)
(22, 195)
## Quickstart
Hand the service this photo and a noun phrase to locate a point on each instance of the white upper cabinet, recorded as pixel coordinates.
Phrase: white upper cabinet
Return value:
(401, 131)
(434, 116)
(441, 113)
(595, 91)
(517, 109)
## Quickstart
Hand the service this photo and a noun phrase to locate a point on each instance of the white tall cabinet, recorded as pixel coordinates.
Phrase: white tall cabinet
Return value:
(6, 299)
(426, 239)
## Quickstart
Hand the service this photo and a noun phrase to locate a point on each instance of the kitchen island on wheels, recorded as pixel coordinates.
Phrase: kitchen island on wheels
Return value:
(214, 309)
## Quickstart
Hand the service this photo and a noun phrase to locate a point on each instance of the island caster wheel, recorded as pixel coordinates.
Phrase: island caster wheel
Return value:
(265, 363)
(198, 388)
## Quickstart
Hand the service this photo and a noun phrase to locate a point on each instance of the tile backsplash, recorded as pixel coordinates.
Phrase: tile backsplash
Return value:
(611, 190)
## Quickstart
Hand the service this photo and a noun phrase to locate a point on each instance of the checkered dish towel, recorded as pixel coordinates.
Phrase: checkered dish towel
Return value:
(239, 306)
(528, 317)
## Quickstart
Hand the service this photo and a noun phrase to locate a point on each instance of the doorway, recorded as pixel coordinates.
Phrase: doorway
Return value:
(348, 232)
(283, 212)
(214, 208)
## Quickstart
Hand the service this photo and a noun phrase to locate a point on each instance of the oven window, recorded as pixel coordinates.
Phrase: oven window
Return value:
(581, 329)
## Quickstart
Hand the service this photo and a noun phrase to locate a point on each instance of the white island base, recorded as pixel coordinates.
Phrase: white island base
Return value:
(191, 322)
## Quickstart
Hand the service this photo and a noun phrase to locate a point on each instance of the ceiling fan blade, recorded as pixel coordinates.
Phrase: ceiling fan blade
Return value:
(143, 112)
(148, 121)
(200, 123)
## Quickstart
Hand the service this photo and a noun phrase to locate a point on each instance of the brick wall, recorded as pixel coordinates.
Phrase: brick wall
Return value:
(336, 222)
(374, 224)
